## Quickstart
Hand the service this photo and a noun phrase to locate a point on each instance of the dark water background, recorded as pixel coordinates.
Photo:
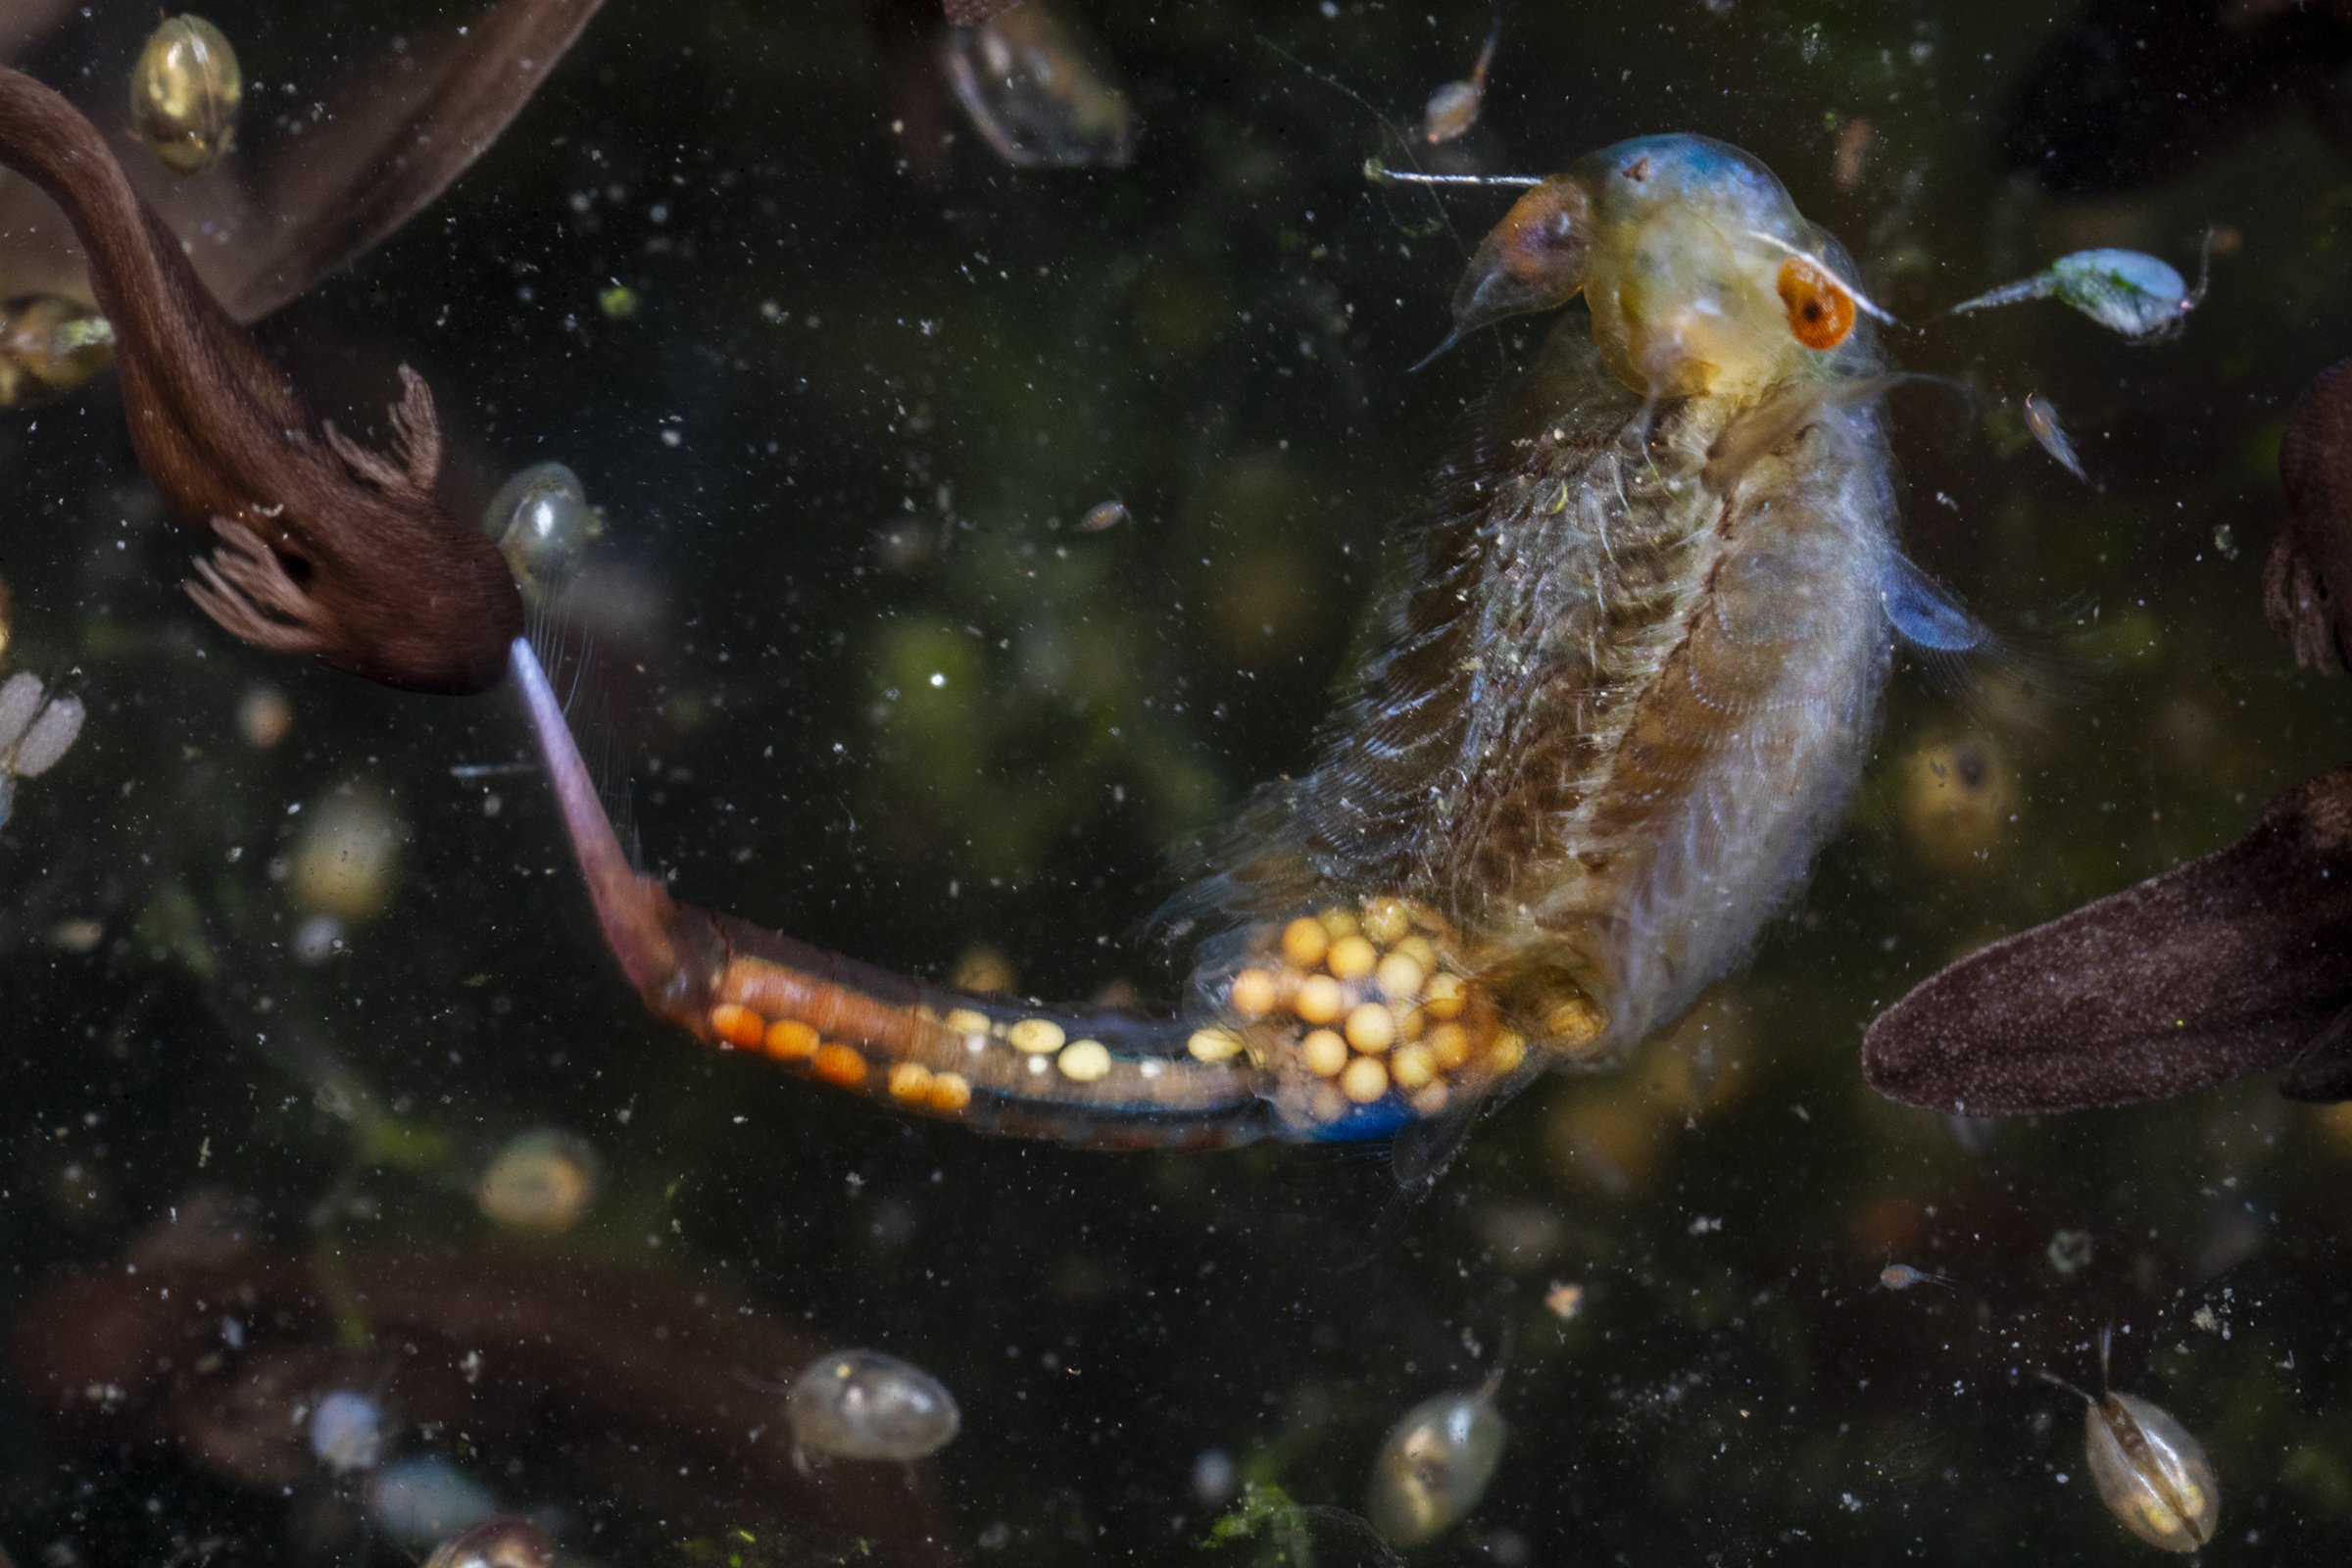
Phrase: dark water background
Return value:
(844, 443)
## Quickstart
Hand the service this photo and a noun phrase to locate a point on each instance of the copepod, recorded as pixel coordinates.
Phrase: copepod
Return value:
(1436, 1465)
(2151, 1471)
(1902, 1276)
(863, 1404)
(184, 93)
(1453, 108)
(1618, 703)
(2127, 292)
(2041, 419)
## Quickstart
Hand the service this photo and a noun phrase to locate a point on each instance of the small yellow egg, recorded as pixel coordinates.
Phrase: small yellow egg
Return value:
(184, 93)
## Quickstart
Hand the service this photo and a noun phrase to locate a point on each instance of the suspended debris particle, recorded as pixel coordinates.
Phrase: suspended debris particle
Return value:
(2069, 1253)
(264, 717)
(1436, 1466)
(2129, 293)
(184, 93)
(863, 1404)
(1853, 150)
(1565, 1301)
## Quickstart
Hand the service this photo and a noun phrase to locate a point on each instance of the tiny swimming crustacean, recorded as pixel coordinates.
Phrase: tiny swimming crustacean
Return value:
(1453, 108)
(2151, 1471)
(1436, 1465)
(320, 546)
(184, 93)
(1622, 698)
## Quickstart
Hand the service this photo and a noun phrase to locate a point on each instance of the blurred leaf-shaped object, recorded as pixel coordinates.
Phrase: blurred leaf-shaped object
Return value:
(2236, 964)
(2306, 584)
(50, 345)
(288, 204)
(1039, 90)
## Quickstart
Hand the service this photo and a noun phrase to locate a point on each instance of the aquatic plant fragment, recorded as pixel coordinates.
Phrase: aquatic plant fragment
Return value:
(1607, 717)
(1434, 1465)
(2127, 292)
(863, 1404)
(184, 93)
(2151, 1471)
(2236, 964)
(2041, 419)
(1453, 108)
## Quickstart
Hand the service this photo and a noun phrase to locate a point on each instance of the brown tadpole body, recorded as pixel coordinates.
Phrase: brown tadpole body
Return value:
(2236, 963)
(323, 547)
(2307, 583)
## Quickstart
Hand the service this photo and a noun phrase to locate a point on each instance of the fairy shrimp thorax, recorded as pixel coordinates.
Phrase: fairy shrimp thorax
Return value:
(1621, 696)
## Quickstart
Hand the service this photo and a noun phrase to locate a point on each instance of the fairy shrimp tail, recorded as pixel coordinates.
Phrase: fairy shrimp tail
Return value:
(1096, 1078)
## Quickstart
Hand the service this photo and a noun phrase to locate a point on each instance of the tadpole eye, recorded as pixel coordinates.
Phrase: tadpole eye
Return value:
(1820, 310)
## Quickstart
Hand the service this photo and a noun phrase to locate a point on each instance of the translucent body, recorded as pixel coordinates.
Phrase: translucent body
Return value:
(1453, 108)
(542, 522)
(2042, 417)
(346, 1431)
(1039, 91)
(184, 93)
(863, 1404)
(2126, 292)
(542, 1182)
(1434, 1466)
(2151, 1472)
(423, 1501)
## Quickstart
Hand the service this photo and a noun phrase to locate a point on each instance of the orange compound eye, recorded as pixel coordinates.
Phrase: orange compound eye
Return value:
(1821, 311)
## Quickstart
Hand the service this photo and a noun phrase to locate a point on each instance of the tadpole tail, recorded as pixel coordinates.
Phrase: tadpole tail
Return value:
(1094, 1077)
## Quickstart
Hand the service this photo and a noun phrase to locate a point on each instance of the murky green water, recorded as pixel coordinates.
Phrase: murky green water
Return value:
(871, 684)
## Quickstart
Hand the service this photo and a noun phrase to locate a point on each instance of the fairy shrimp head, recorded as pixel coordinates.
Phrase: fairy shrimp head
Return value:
(1701, 275)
